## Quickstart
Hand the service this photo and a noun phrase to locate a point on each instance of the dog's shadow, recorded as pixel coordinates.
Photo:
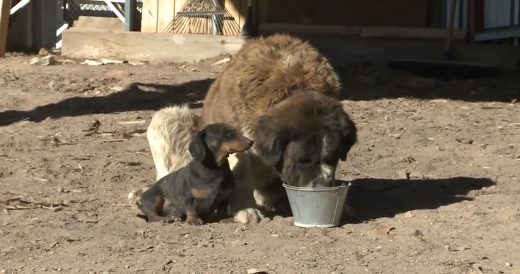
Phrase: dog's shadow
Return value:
(135, 97)
(375, 198)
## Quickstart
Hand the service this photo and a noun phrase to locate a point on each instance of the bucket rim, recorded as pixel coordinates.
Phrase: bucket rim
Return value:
(314, 189)
(304, 225)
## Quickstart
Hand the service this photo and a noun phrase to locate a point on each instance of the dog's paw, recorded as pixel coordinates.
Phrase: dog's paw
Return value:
(133, 200)
(249, 216)
(135, 197)
(154, 218)
(195, 221)
(171, 219)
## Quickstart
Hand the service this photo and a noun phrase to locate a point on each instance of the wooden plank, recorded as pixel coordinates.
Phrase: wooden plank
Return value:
(238, 10)
(234, 9)
(263, 12)
(4, 24)
(148, 16)
(230, 7)
(472, 24)
(409, 32)
(308, 29)
(166, 14)
(450, 27)
(404, 13)
(106, 23)
(124, 45)
(158, 15)
(499, 33)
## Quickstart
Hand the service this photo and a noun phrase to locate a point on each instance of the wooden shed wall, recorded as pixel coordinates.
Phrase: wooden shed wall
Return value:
(403, 13)
(158, 15)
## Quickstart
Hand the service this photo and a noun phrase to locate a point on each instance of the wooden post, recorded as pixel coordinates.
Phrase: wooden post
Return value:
(263, 7)
(5, 7)
(448, 53)
(130, 7)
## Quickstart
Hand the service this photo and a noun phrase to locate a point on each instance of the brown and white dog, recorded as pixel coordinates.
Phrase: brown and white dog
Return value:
(280, 92)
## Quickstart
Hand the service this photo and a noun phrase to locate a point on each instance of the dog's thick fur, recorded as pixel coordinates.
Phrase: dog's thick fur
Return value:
(175, 122)
(203, 185)
(281, 93)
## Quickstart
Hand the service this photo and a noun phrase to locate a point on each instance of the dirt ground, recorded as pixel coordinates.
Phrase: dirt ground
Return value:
(435, 176)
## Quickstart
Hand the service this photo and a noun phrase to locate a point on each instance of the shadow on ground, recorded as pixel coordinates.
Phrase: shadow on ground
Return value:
(137, 96)
(370, 70)
(361, 83)
(376, 198)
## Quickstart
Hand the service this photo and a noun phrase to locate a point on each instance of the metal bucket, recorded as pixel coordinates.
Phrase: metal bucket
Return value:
(317, 206)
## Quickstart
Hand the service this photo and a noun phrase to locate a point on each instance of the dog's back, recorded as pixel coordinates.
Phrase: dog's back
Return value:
(264, 73)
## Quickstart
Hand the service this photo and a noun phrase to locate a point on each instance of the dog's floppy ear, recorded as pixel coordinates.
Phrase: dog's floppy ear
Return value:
(348, 134)
(270, 139)
(198, 147)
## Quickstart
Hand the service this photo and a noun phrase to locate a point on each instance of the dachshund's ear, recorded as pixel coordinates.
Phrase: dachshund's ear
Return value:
(349, 136)
(198, 147)
(270, 140)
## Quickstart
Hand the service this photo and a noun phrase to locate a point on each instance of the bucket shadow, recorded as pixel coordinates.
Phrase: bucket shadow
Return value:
(375, 198)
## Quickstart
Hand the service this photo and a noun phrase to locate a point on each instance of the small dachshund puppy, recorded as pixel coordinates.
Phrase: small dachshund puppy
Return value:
(204, 184)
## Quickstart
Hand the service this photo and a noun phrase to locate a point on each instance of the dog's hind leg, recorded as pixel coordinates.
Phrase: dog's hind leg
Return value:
(192, 216)
(151, 205)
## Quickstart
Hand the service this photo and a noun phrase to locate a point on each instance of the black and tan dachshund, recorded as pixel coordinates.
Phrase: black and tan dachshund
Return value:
(202, 186)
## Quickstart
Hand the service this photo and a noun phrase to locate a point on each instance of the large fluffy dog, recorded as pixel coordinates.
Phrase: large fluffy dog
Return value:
(281, 93)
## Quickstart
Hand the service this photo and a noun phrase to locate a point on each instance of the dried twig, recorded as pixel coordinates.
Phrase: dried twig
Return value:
(136, 122)
(113, 140)
(93, 221)
(20, 203)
